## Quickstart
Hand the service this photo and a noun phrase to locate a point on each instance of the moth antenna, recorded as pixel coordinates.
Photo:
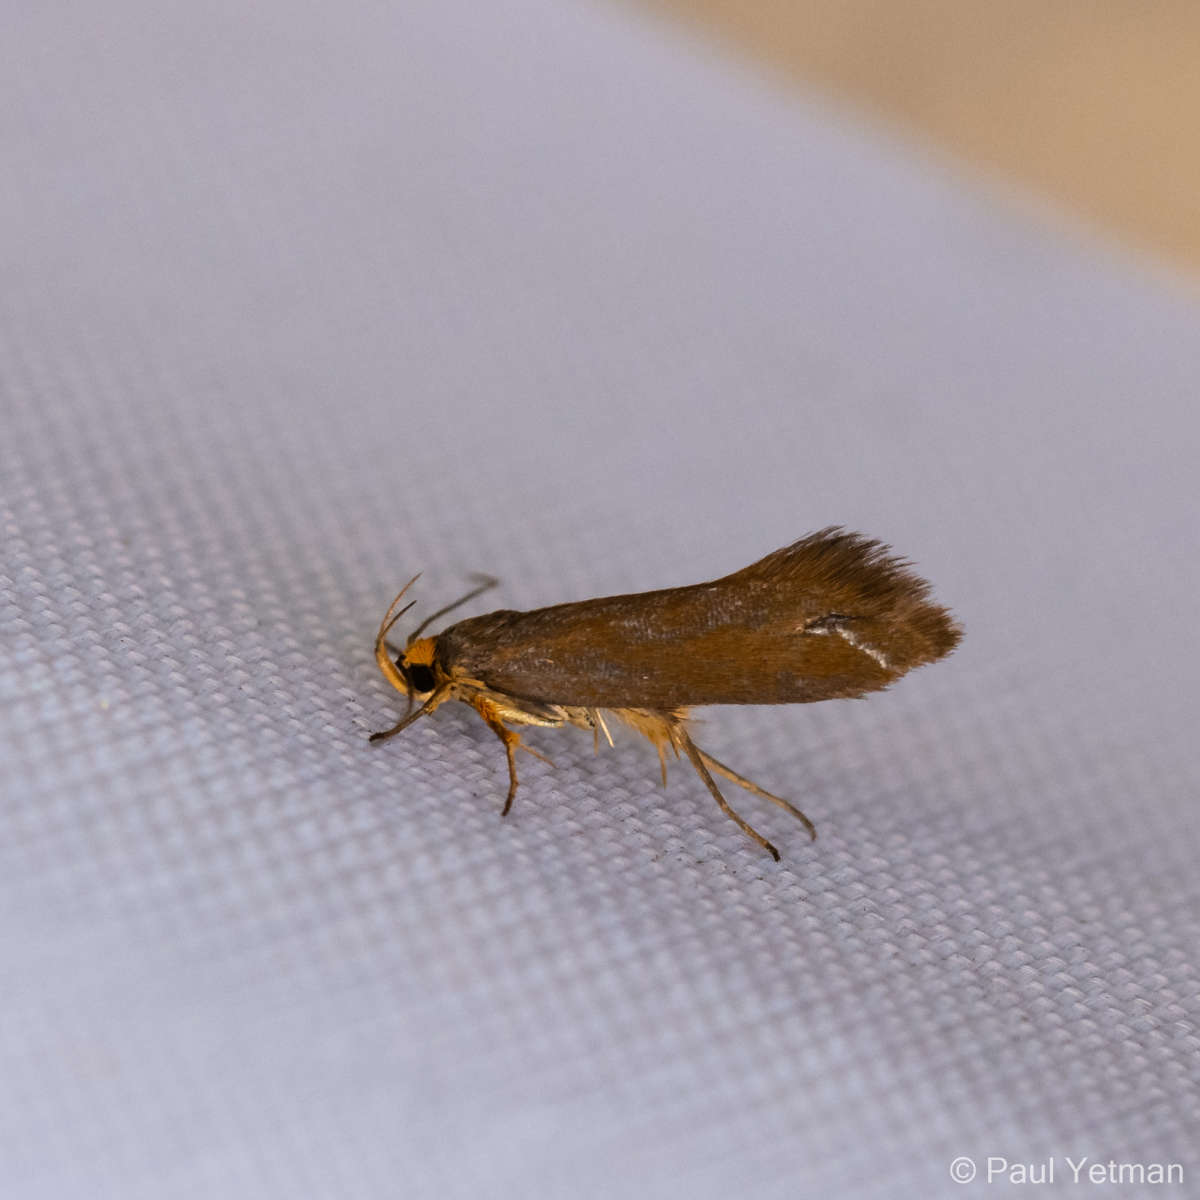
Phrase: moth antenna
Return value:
(485, 582)
(403, 724)
(391, 616)
(390, 671)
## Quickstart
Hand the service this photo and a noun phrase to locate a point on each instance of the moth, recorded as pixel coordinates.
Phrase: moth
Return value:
(831, 616)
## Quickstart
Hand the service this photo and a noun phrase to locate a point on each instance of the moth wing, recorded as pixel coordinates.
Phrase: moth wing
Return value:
(832, 615)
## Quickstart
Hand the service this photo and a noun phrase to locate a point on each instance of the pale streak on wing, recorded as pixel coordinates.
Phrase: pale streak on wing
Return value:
(835, 625)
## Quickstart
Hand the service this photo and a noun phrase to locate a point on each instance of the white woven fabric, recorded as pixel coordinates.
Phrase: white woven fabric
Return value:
(298, 300)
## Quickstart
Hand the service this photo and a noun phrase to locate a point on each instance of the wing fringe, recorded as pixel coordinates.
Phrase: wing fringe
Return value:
(868, 580)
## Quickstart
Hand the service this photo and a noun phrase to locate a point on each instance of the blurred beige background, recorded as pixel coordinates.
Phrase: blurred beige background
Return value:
(1094, 104)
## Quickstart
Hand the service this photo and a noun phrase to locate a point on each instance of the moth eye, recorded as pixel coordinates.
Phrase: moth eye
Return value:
(421, 677)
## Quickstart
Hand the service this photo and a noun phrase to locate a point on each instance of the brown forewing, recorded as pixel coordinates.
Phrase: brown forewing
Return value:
(832, 615)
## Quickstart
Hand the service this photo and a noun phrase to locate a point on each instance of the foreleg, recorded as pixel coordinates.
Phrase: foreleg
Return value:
(494, 715)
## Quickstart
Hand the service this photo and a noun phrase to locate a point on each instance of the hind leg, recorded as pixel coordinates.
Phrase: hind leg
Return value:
(682, 740)
(742, 781)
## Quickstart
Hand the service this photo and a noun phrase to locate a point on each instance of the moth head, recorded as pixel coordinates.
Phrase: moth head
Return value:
(416, 668)
(413, 670)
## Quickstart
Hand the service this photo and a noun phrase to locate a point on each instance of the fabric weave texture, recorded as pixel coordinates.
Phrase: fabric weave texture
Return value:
(299, 301)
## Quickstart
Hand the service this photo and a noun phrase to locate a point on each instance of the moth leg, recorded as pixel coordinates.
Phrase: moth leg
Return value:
(603, 725)
(511, 739)
(661, 746)
(742, 781)
(655, 726)
(595, 718)
(536, 753)
(679, 737)
(494, 716)
(409, 717)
